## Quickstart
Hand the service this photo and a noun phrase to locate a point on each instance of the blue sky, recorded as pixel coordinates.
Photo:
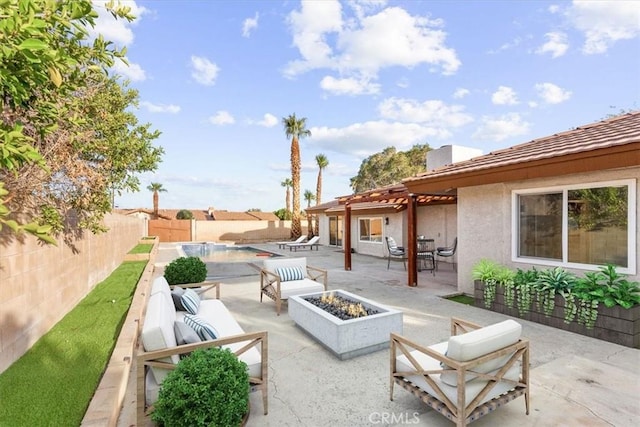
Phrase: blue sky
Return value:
(217, 77)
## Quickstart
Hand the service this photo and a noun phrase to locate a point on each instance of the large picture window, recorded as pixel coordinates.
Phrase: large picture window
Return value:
(371, 230)
(579, 226)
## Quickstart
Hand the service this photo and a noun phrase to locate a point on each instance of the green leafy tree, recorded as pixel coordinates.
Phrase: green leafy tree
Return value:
(389, 167)
(156, 188)
(184, 214)
(287, 183)
(322, 162)
(283, 214)
(295, 128)
(55, 97)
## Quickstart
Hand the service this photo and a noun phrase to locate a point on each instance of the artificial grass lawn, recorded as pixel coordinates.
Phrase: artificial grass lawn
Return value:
(53, 383)
(141, 248)
(464, 299)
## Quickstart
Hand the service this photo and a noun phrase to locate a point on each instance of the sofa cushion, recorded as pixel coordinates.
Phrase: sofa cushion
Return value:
(479, 342)
(204, 329)
(157, 331)
(176, 295)
(185, 334)
(299, 287)
(290, 273)
(191, 301)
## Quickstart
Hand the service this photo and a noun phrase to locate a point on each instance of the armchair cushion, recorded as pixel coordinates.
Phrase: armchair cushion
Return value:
(204, 329)
(288, 274)
(477, 343)
(191, 301)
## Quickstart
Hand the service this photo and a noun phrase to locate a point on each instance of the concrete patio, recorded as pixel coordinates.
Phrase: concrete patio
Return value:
(575, 380)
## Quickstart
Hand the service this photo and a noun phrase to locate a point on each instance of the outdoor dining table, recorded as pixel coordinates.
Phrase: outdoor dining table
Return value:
(426, 253)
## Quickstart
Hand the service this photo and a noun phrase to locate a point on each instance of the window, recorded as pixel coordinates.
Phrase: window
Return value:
(371, 230)
(579, 226)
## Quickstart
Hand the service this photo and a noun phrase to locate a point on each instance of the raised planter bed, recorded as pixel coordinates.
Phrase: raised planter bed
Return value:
(616, 324)
(346, 338)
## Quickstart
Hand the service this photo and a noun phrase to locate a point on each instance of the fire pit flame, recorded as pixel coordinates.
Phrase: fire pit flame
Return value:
(340, 307)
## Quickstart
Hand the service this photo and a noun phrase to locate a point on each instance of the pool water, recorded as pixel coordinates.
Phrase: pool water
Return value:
(216, 252)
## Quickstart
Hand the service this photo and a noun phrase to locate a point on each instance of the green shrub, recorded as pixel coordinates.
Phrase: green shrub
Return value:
(208, 388)
(184, 214)
(185, 270)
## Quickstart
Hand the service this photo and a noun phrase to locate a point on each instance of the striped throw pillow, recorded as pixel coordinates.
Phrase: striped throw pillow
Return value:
(205, 330)
(290, 273)
(191, 301)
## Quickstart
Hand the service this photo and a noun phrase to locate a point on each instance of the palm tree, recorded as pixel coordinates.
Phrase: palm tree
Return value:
(296, 129)
(322, 162)
(309, 197)
(156, 187)
(287, 183)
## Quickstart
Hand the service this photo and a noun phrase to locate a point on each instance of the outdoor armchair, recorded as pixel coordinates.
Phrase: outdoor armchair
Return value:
(395, 252)
(473, 373)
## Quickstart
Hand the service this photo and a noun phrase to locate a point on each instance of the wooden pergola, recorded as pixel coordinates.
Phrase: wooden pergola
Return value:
(399, 196)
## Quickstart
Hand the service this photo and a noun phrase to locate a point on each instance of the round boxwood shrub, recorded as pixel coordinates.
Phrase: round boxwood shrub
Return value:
(185, 270)
(208, 388)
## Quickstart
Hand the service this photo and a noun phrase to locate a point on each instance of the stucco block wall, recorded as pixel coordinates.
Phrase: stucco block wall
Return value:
(39, 283)
(243, 231)
(484, 220)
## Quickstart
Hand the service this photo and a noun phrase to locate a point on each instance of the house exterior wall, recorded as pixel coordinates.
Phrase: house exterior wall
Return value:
(42, 283)
(484, 220)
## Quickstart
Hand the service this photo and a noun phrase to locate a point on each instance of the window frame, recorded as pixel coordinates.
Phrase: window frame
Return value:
(370, 218)
(564, 189)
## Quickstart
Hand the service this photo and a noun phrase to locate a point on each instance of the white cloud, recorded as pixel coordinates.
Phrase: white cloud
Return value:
(365, 139)
(222, 118)
(554, 8)
(434, 113)
(160, 108)
(133, 72)
(460, 93)
(605, 22)
(552, 94)
(269, 121)
(556, 44)
(504, 96)
(349, 86)
(364, 44)
(249, 25)
(204, 71)
(116, 30)
(500, 128)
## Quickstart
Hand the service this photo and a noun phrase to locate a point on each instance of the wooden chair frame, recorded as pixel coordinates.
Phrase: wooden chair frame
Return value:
(458, 412)
(153, 358)
(271, 284)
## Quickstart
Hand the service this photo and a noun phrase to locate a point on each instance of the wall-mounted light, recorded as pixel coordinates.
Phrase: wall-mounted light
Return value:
(386, 220)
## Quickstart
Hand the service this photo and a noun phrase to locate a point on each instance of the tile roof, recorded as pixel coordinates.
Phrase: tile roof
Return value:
(617, 131)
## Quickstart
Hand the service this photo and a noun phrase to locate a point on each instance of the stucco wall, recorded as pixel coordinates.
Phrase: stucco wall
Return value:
(243, 231)
(39, 284)
(484, 220)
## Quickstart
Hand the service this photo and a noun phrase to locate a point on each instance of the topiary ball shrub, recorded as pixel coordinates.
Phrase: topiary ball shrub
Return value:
(185, 270)
(208, 388)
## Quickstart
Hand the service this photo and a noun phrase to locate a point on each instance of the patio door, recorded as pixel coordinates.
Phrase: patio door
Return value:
(335, 231)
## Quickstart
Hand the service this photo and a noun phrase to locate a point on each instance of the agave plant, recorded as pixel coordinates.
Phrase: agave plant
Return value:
(555, 281)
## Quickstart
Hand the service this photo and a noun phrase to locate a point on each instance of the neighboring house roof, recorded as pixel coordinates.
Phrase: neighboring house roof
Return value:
(608, 144)
(264, 216)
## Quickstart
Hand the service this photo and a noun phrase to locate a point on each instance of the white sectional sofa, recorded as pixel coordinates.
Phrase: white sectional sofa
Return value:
(476, 371)
(281, 278)
(165, 336)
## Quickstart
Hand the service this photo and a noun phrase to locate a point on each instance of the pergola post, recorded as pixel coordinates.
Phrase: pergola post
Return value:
(347, 237)
(412, 241)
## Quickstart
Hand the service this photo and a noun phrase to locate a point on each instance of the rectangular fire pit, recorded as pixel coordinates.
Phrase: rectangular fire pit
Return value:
(346, 338)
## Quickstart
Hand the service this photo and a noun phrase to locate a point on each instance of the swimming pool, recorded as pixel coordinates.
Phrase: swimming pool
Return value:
(219, 252)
